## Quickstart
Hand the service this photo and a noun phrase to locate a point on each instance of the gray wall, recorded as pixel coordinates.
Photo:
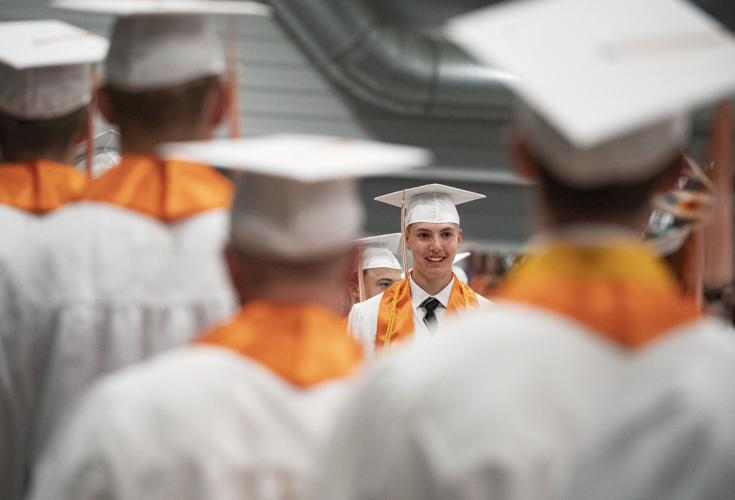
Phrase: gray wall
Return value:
(282, 91)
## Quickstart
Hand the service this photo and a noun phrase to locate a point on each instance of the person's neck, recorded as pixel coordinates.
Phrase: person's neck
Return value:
(431, 286)
(635, 223)
(147, 143)
(54, 156)
(327, 296)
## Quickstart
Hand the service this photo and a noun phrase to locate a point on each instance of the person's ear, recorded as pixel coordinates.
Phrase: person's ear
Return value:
(459, 236)
(407, 239)
(218, 103)
(352, 288)
(103, 105)
(520, 157)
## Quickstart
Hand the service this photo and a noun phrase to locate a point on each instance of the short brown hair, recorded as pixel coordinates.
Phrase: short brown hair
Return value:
(572, 203)
(23, 140)
(161, 108)
(264, 270)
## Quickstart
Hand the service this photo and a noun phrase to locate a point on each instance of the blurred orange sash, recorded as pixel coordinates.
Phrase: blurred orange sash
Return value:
(164, 190)
(622, 292)
(395, 313)
(303, 344)
(41, 186)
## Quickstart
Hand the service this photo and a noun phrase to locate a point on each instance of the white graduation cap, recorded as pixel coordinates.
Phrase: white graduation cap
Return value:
(163, 43)
(380, 251)
(430, 203)
(45, 68)
(297, 198)
(608, 81)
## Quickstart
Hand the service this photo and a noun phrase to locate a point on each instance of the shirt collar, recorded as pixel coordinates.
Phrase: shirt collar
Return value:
(418, 295)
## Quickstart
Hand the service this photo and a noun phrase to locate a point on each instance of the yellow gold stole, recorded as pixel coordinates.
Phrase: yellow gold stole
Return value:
(41, 186)
(303, 344)
(622, 292)
(164, 190)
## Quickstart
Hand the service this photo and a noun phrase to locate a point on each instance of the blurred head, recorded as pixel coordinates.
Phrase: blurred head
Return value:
(23, 140)
(44, 110)
(322, 280)
(187, 111)
(164, 79)
(294, 240)
(611, 182)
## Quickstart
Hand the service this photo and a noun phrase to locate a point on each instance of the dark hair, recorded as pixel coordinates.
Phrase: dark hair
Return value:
(262, 270)
(23, 140)
(574, 203)
(179, 106)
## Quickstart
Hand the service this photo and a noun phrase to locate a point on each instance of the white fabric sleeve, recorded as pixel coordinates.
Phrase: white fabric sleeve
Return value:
(373, 453)
(363, 323)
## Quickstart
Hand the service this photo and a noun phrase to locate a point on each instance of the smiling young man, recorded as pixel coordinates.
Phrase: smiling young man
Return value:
(417, 305)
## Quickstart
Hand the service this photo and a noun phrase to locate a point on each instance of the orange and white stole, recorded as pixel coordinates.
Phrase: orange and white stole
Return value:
(623, 292)
(165, 190)
(41, 186)
(303, 344)
(395, 312)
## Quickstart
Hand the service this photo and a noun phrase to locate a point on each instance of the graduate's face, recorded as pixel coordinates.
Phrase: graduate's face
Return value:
(378, 279)
(433, 247)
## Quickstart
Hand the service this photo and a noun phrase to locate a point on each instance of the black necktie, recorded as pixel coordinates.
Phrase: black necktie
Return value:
(430, 305)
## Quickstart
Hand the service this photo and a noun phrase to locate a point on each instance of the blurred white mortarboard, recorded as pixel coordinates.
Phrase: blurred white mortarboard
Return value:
(457, 270)
(380, 251)
(297, 198)
(459, 257)
(162, 43)
(608, 82)
(45, 68)
(430, 203)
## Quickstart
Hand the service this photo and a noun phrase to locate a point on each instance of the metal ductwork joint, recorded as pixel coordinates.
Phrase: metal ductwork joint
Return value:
(398, 68)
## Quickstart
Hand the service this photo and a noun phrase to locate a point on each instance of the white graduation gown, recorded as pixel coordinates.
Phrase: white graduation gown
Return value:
(106, 287)
(670, 433)
(17, 228)
(496, 407)
(199, 422)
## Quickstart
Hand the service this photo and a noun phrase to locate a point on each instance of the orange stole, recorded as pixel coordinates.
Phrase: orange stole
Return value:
(622, 292)
(41, 186)
(395, 313)
(164, 190)
(302, 343)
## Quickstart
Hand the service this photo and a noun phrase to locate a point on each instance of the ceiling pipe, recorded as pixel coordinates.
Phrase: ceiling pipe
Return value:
(396, 67)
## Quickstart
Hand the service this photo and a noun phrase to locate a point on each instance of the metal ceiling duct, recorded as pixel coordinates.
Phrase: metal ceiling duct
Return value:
(394, 66)
(400, 68)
